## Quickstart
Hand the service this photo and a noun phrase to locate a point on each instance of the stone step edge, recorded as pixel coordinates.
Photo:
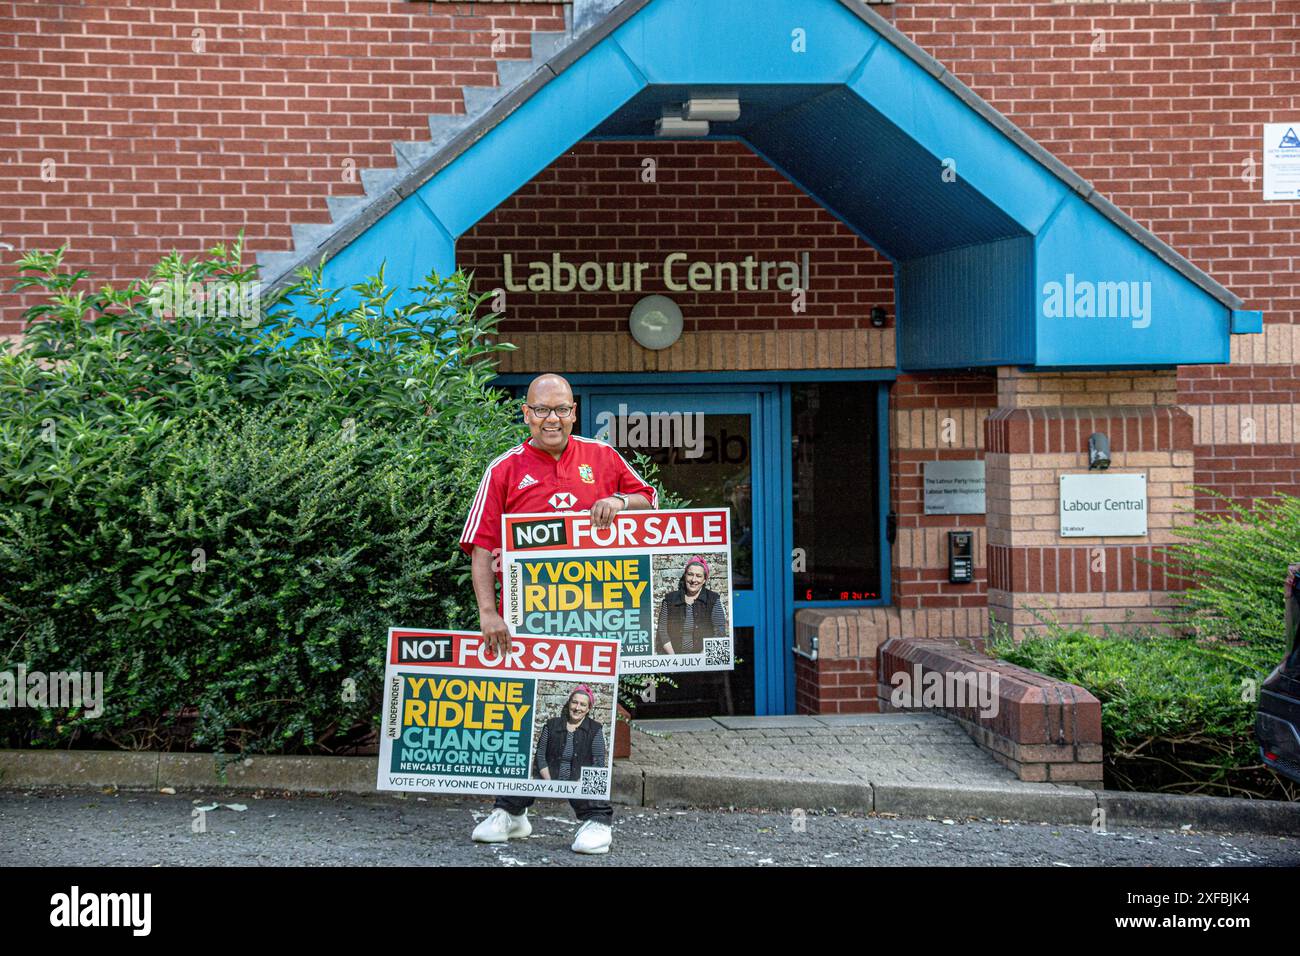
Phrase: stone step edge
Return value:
(656, 787)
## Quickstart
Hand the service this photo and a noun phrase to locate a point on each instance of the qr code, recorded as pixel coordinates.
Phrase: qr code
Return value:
(717, 653)
(595, 781)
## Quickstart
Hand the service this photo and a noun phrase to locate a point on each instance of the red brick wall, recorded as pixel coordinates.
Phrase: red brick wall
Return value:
(714, 201)
(944, 436)
(1245, 471)
(156, 146)
(1160, 120)
(1161, 106)
(835, 685)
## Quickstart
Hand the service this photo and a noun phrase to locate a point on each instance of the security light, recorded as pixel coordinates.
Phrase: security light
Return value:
(673, 124)
(724, 109)
(1098, 452)
(878, 317)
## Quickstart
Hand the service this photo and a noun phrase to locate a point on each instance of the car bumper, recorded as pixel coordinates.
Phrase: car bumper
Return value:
(1275, 729)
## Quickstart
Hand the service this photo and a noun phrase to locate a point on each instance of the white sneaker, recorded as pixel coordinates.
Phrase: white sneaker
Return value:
(593, 837)
(501, 826)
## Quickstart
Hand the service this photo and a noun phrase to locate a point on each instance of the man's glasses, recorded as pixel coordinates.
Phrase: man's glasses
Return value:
(544, 411)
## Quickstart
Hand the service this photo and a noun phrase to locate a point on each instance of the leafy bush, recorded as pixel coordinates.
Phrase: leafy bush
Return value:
(1235, 563)
(222, 511)
(1177, 714)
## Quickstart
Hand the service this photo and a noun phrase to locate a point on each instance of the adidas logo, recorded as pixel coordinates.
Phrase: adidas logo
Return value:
(526, 482)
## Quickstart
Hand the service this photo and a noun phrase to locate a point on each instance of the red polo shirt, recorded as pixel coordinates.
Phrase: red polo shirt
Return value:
(528, 480)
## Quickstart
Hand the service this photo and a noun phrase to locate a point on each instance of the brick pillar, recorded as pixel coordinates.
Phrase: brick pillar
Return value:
(1039, 432)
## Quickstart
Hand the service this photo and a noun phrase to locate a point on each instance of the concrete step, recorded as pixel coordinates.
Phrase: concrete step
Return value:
(479, 99)
(307, 236)
(444, 126)
(377, 181)
(412, 153)
(514, 72)
(343, 208)
(587, 13)
(546, 45)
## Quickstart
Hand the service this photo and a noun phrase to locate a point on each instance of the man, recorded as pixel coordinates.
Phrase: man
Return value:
(553, 471)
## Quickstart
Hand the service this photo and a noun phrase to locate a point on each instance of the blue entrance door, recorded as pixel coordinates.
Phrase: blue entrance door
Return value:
(718, 449)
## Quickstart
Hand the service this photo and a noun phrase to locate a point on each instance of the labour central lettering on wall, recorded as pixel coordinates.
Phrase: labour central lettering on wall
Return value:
(557, 274)
(657, 581)
(460, 718)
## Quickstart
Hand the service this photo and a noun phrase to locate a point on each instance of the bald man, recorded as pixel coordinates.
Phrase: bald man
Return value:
(554, 470)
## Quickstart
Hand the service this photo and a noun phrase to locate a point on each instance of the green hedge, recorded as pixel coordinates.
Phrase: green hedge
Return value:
(223, 512)
(1177, 714)
(1179, 701)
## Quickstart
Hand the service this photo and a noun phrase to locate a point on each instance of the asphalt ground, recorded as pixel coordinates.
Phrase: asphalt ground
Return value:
(132, 828)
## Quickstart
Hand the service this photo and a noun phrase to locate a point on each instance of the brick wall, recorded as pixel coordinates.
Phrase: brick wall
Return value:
(1246, 417)
(166, 124)
(835, 685)
(935, 418)
(714, 201)
(1098, 580)
(836, 664)
(1161, 106)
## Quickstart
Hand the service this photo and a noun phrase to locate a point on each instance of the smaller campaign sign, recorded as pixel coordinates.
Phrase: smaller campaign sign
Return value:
(460, 718)
(658, 581)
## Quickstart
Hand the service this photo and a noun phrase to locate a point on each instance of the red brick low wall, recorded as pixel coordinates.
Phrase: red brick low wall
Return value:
(835, 685)
(1044, 729)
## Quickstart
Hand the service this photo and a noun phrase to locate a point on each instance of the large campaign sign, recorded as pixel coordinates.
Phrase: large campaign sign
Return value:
(658, 581)
(461, 718)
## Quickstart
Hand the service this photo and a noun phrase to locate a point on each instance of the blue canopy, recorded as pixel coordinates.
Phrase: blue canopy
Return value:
(1002, 255)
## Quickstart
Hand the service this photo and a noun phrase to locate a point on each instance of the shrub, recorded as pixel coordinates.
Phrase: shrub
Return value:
(222, 512)
(1235, 564)
(1177, 714)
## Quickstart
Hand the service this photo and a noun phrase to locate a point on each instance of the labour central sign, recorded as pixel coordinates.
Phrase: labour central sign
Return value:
(556, 274)
(1103, 505)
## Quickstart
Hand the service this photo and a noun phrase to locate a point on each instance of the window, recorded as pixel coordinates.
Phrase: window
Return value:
(835, 491)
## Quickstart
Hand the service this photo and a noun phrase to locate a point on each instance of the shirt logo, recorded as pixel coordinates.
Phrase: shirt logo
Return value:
(526, 482)
(584, 472)
(561, 500)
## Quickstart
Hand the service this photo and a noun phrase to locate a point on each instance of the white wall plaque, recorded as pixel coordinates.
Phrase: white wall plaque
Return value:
(1282, 161)
(1093, 505)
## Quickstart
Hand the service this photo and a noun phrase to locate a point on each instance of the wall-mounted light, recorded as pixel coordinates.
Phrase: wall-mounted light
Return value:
(656, 322)
(723, 109)
(1098, 452)
(878, 317)
(672, 123)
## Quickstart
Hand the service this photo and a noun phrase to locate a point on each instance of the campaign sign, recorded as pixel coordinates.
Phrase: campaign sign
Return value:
(460, 718)
(657, 581)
